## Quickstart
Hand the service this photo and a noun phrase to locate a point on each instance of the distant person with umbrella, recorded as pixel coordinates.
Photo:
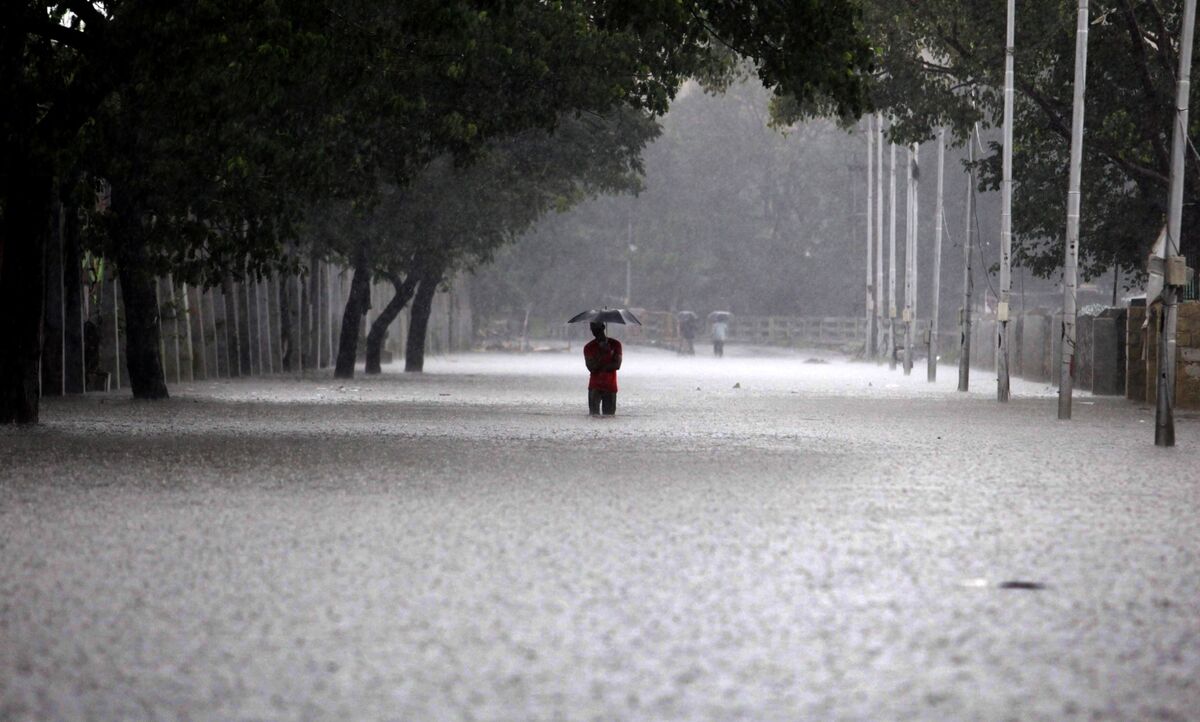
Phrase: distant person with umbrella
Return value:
(687, 333)
(720, 330)
(603, 356)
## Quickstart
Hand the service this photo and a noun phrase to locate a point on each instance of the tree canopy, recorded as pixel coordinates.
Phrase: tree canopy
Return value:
(942, 64)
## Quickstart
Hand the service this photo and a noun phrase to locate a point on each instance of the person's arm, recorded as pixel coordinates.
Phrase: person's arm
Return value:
(592, 362)
(615, 363)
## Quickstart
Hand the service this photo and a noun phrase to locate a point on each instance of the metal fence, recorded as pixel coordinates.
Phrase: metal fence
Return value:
(662, 327)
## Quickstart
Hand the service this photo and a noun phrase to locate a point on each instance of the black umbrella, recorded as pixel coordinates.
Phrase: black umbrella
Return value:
(607, 315)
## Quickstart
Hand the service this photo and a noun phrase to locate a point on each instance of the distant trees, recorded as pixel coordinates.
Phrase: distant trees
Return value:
(217, 125)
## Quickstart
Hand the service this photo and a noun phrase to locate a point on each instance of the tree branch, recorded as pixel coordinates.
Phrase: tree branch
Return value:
(1057, 123)
(1148, 89)
(1060, 126)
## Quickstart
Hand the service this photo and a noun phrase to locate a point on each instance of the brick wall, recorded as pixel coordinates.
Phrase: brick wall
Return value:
(1142, 376)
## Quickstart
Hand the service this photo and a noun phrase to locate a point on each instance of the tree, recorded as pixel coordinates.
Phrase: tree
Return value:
(534, 62)
(215, 123)
(941, 63)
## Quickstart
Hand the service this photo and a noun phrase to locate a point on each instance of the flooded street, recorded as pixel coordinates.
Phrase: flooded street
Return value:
(769, 536)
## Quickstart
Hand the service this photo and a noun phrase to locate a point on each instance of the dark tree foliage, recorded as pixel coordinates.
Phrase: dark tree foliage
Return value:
(216, 123)
(942, 63)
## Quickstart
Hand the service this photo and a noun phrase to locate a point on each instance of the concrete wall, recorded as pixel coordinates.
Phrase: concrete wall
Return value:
(1108, 352)
(1035, 349)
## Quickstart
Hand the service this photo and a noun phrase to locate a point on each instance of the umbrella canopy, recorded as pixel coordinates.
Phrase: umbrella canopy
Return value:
(606, 315)
(685, 314)
(719, 316)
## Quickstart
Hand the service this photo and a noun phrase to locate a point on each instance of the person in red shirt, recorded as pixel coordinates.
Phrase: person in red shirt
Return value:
(603, 357)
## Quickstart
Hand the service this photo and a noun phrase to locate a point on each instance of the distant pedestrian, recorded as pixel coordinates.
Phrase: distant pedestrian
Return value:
(720, 329)
(687, 332)
(603, 357)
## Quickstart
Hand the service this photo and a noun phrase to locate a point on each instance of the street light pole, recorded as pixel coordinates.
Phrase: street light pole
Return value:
(1164, 418)
(869, 346)
(910, 258)
(934, 316)
(1071, 261)
(891, 349)
(879, 300)
(964, 341)
(1002, 380)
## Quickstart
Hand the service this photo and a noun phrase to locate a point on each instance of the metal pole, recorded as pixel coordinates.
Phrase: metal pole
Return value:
(869, 350)
(891, 349)
(1164, 419)
(934, 316)
(1002, 385)
(964, 341)
(1071, 262)
(910, 259)
(879, 302)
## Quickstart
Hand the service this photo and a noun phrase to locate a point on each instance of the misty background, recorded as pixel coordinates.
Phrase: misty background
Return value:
(736, 214)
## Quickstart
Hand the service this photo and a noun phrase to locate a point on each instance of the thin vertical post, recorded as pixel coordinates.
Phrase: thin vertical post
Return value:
(116, 330)
(891, 350)
(320, 360)
(200, 338)
(1071, 261)
(964, 341)
(879, 300)
(328, 307)
(910, 258)
(1164, 418)
(939, 210)
(213, 350)
(262, 290)
(175, 308)
(1002, 379)
(253, 332)
(869, 341)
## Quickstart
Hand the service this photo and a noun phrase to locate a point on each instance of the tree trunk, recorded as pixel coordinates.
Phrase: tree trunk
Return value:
(142, 332)
(414, 350)
(22, 246)
(356, 307)
(379, 326)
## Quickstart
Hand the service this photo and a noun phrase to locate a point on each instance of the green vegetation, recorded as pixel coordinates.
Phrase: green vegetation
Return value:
(218, 125)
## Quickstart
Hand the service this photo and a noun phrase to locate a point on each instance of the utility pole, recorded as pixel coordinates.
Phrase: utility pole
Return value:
(879, 301)
(931, 367)
(1002, 385)
(891, 349)
(1071, 262)
(1175, 273)
(869, 349)
(910, 257)
(964, 341)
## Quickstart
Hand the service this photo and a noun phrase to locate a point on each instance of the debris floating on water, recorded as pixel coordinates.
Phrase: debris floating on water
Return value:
(1018, 584)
